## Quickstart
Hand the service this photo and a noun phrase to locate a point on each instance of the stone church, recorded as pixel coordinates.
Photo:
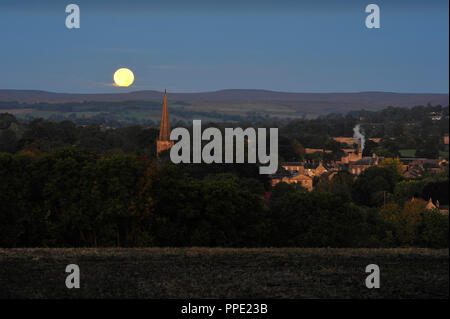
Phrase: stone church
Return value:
(164, 143)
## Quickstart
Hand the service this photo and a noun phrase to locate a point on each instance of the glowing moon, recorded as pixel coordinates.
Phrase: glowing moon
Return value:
(123, 77)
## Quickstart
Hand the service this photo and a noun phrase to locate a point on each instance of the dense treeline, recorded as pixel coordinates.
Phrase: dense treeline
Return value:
(398, 128)
(42, 136)
(420, 128)
(68, 185)
(79, 198)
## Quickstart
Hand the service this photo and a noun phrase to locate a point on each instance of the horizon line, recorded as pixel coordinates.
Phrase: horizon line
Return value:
(221, 90)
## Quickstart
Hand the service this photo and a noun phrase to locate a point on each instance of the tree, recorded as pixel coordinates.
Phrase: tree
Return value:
(118, 183)
(316, 219)
(387, 147)
(411, 222)
(394, 165)
(429, 148)
(298, 150)
(370, 148)
(389, 221)
(235, 215)
(435, 229)
(340, 184)
(14, 190)
(374, 184)
(8, 141)
(405, 190)
(65, 197)
(6, 120)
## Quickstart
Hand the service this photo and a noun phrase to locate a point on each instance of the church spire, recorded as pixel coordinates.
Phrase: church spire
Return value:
(164, 132)
(164, 143)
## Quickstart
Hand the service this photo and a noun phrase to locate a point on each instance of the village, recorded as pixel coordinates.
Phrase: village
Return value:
(353, 162)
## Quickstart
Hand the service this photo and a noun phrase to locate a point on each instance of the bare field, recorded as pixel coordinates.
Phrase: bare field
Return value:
(224, 273)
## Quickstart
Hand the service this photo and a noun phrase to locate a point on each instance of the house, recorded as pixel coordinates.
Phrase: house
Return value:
(314, 169)
(299, 172)
(293, 167)
(305, 180)
(364, 163)
(317, 150)
(430, 205)
(414, 167)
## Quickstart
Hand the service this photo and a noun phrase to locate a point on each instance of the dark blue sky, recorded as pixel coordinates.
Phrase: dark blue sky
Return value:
(192, 46)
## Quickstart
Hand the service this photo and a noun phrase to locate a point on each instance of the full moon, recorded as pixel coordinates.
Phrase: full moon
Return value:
(123, 77)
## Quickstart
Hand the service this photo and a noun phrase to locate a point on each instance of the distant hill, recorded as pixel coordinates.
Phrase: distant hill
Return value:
(140, 107)
(303, 102)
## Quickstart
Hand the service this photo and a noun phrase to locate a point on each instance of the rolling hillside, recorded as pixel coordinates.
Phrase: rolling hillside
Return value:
(218, 105)
(343, 101)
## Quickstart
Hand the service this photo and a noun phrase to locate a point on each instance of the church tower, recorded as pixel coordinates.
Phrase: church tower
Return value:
(164, 142)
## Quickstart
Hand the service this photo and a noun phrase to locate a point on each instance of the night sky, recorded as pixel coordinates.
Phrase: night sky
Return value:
(195, 46)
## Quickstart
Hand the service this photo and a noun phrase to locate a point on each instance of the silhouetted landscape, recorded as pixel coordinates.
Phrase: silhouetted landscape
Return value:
(318, 102)
(140, 107)
(224, 150)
